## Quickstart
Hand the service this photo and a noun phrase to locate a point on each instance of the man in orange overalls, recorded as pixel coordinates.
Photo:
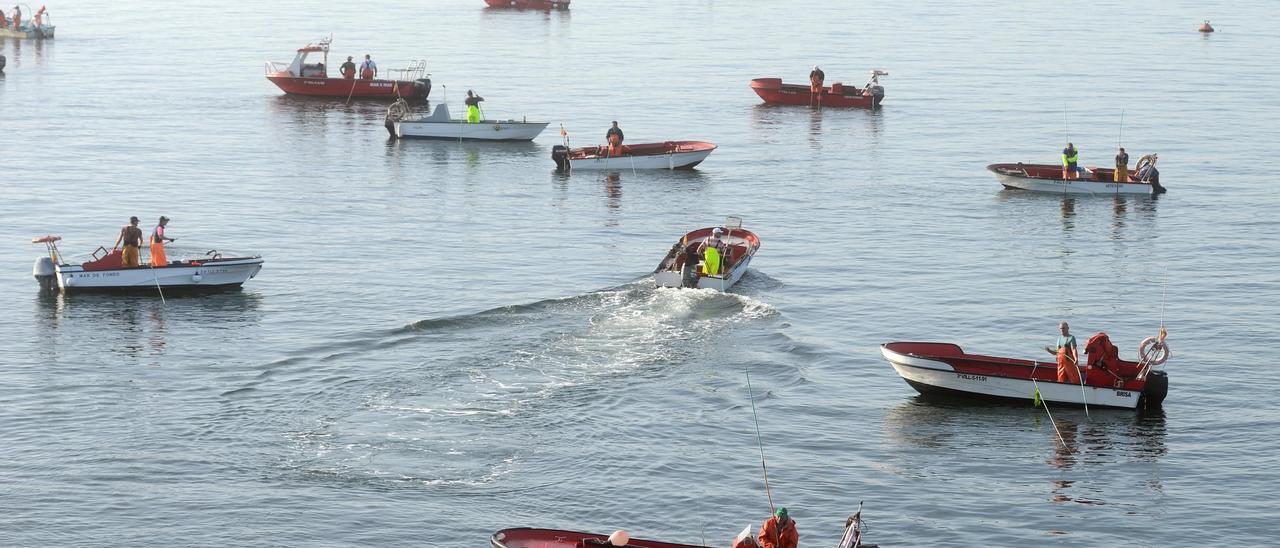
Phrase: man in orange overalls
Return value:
(779, 531)
(816, 77)
(1068, 355)
(158, 256)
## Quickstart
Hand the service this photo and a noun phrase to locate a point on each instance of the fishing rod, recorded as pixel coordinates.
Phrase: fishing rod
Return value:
(751, 395)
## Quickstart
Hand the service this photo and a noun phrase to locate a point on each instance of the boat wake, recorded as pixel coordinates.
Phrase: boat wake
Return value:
(453, 396)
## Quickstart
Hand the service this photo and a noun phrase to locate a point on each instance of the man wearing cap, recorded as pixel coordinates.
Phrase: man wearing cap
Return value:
(779, 531)
(614, 138)
(158, 257)
(711, 249)
(131, 237)
(816, 78)
(348, 69)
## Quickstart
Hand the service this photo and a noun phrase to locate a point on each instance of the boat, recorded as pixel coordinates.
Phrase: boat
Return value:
(682, 266)
(1093, 180)
(529, 4)
(937, 368)
(529, 537)
(312, 79)
(774, 92)
(440, 125)
(667, 155)
(36, 28)
(106, 272)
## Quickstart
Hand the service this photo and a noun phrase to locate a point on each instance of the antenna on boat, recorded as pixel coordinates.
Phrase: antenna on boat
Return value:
(759, 441)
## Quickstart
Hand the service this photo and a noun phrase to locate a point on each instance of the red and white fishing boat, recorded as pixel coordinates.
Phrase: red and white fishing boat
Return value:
(683, 265)
(1092, 180)
(529, 4)
(1108, 381)
(528, 537)
(302, 78)
(107, 272)
(774, 92)
(668, 155)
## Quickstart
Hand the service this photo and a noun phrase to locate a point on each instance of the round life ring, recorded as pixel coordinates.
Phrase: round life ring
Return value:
(1153, 350)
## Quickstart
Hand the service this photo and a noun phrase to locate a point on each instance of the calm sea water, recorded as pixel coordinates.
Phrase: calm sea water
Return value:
(449, 339)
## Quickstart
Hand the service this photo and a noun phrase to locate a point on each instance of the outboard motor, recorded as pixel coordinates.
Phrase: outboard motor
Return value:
(560, 154)
(46, 274)
(1156, 389)
(874, 89)
(424, 88)
(689, 274)
(1155, 182)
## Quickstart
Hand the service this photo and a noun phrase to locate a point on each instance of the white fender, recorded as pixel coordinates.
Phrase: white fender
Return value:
(196, 277)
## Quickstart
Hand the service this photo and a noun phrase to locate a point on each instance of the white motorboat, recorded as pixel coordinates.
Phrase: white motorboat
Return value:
(935, 368)
(666, 155)
(1091, 180)
(441, 126)
(683, 265)
(107, 272)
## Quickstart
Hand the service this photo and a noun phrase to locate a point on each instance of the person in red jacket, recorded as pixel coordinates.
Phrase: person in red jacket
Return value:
(779, 531)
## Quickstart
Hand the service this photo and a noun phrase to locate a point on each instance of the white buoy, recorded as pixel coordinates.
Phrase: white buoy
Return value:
(619, 538)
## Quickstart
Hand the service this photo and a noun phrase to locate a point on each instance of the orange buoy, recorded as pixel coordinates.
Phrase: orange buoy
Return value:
(1206, 27)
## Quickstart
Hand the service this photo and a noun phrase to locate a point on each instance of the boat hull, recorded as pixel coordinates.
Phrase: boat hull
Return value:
(527, 537)
(1095, 182)
(936, 375)
(529, 4)
(203, 276)
(342, 87)
(486, 130)
(29, 33)
(774, 92)
(666, 155)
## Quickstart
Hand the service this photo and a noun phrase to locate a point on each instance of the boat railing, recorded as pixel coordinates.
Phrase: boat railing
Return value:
(415, 70)
(276, 66)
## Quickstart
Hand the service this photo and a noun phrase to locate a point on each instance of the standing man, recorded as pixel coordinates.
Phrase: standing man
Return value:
(1068, 355)
(1070, 157)
(368, 69)
(779, 531)
(614, 138)
(816, 77)
(158, 257)
(348, 69)
(131, 237)
(473, 107)
(712, 249)
(1122, 166)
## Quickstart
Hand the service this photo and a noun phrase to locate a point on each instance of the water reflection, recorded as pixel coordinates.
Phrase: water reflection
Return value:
(138, 325)
(1088, 446)
(613, 189)
(317, 113)
(815, 129)
(1068, 213)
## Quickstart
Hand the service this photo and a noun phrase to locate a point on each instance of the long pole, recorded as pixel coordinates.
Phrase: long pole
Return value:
(1120, 138)
(353, 88)
(156, 279)
(759, 441)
